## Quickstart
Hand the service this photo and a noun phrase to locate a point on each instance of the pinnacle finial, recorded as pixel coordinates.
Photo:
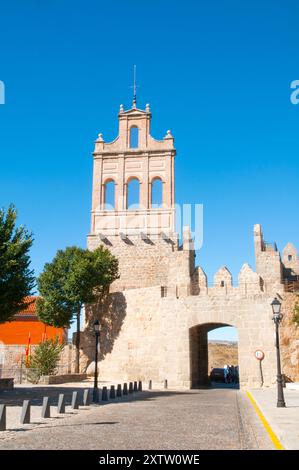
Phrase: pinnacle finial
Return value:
(168, 135)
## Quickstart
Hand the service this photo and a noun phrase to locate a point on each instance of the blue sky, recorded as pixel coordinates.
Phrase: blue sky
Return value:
(216, 73)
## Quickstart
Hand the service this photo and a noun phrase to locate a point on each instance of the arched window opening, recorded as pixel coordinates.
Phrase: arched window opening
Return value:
(134, 137)
(157, 193)
(133, 189)
(109, 195)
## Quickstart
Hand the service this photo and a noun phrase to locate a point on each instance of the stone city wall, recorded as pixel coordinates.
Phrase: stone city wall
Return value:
(12, 359)
(148, 336)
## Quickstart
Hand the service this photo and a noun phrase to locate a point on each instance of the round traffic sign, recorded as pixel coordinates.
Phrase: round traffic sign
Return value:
(259, 354)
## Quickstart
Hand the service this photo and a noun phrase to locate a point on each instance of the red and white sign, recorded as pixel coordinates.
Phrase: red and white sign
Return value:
(259, 354)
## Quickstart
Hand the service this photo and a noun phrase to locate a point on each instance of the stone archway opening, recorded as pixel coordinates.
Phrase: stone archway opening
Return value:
(206, 353)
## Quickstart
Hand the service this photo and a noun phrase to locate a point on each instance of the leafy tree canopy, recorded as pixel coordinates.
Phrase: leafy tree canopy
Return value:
(16, 278)
(74, 277)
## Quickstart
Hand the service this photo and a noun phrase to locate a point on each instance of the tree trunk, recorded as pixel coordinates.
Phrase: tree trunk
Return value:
(77, 363)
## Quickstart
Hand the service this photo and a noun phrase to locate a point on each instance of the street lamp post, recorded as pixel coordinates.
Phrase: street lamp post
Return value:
(277, 317)
(95, 395)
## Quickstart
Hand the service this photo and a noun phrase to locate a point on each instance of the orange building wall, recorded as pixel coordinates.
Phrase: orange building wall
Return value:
(17, 332)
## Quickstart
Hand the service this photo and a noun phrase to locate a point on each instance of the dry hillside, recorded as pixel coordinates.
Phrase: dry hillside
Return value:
(221, 353)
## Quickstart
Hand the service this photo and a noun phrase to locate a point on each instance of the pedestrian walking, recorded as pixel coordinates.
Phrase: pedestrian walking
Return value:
(225, 373)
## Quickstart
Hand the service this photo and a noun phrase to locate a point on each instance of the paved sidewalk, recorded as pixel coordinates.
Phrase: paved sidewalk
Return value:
(283, 421)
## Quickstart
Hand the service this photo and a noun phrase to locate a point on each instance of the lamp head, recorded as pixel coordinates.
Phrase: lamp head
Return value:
(276, 306)
(96, 326)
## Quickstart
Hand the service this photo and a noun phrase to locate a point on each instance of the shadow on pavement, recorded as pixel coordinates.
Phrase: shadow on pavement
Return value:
(16, 396)
(217, 385)
(225, 386)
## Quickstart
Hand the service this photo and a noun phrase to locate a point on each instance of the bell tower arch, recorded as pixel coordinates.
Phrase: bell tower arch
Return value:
(143, 237)
(122, 160)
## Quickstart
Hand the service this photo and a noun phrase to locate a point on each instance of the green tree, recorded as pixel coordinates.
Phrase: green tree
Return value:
(75, 277)
(44, 359)
(16, 278)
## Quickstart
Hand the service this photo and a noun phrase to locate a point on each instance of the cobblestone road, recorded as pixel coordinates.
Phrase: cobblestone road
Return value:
(196, 419)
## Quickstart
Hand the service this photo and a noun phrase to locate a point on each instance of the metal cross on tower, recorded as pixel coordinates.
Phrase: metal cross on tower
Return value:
(134, 89)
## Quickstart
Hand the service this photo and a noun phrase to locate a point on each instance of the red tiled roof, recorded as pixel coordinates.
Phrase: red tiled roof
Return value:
(29, 310)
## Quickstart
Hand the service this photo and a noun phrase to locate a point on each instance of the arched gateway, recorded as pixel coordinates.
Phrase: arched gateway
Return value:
(155, 321)
(199, 352)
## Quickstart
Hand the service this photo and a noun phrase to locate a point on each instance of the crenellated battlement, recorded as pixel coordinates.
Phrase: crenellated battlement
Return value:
(249, 282)
(273, 275)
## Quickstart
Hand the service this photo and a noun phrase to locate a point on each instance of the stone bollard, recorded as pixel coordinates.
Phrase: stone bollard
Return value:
(96, 395)
(2, 417)
(135, 389)
(112, 392)
(118, 390)
(150, 385)
(165, 384)
(125, 389)
(139, 386)
(131, 387)
(86, 397)
(46, 408)
(75, 402)
(25, 415)
(61, 404)
(104, 394)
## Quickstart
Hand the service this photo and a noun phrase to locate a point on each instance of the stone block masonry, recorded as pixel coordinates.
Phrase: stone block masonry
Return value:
(142, 263)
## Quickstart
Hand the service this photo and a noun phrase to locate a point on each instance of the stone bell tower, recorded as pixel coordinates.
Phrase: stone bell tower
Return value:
(143, 237)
